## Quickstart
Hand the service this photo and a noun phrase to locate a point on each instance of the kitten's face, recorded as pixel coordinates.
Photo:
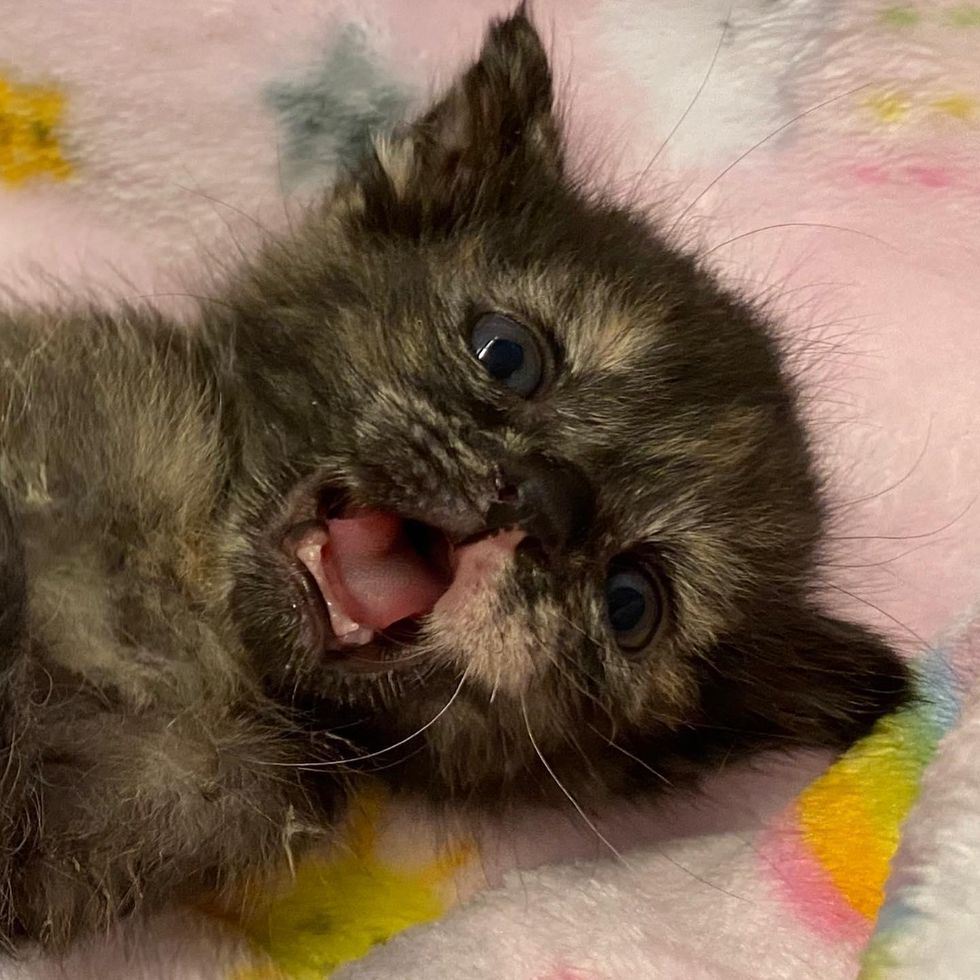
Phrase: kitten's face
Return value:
(514, 451)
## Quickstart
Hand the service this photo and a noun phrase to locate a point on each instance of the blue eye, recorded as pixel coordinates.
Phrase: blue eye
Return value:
(634, 605)
(509, 352)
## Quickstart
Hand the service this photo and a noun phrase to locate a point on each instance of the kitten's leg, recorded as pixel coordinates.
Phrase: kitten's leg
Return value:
(132, 813)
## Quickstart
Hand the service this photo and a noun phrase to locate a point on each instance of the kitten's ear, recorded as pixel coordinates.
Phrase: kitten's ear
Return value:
(803, 678)
(500, 110)
(491, 137)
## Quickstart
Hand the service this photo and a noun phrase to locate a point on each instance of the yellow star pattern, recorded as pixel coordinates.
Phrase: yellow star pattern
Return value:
(901, 15)
(334, 909)
(965, 15)
(889, 107)
(958, 106)
(28, 144)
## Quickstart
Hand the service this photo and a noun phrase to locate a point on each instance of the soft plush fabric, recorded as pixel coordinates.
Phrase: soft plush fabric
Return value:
(822, 155)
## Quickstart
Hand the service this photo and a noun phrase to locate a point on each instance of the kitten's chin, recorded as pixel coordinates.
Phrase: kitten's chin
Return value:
(375, 581)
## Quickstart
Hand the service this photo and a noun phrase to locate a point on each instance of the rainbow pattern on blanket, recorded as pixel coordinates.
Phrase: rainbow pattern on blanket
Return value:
(830, 853)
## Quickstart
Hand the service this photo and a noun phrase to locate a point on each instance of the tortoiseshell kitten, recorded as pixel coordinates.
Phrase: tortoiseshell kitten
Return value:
(473, 454)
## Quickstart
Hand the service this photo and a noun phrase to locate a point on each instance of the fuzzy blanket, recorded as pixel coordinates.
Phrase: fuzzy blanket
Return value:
(822, 154)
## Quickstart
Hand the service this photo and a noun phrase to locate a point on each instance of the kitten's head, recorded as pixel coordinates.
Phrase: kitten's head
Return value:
(510, 449)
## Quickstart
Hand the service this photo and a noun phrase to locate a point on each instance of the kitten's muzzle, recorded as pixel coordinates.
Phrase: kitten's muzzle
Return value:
(373, 571)
(552, 502)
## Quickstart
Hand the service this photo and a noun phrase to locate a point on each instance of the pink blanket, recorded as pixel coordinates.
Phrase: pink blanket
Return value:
(823, 155)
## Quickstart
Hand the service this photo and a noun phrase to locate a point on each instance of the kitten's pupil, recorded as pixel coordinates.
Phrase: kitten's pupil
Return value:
(501, 357)
(509, 352)
(626, 607)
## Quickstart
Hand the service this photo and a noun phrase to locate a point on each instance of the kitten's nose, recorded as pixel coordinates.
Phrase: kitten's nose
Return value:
(553, 502)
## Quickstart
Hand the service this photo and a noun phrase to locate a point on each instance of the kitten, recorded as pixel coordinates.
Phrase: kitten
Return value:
(474, 463)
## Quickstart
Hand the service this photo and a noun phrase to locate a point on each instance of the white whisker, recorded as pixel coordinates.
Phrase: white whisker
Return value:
(408, 738)
(571, 799)
(635, 758)
(700, 89)
(755, 146)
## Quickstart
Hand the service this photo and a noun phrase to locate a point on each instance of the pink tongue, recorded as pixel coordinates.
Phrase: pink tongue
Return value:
(375, 574)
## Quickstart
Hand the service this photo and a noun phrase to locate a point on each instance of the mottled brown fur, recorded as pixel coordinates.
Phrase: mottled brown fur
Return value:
(142, 757)
(159, 687)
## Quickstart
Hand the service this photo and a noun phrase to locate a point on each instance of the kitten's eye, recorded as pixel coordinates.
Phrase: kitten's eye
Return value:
(510, 352)
(634, 605)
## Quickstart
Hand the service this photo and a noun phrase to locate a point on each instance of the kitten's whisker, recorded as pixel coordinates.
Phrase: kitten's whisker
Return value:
(699, 878)
(570, 671)
(697, 95)
(901, 480)
(908, 537)
(883, 562)
(231, 207)
(416, 654)
(635, 758)
(801, 224)
(759, 143)
(571, 799)
(242, 251)
(401, 760)
(867, 602)
(313, 767)
(798, 741)
(596, 643)
(589, 763)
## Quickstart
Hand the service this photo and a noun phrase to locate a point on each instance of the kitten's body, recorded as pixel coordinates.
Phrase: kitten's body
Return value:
(170, 678)
(141, 757)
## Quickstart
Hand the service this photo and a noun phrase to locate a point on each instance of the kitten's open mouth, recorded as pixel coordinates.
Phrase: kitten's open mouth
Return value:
(377, 575)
